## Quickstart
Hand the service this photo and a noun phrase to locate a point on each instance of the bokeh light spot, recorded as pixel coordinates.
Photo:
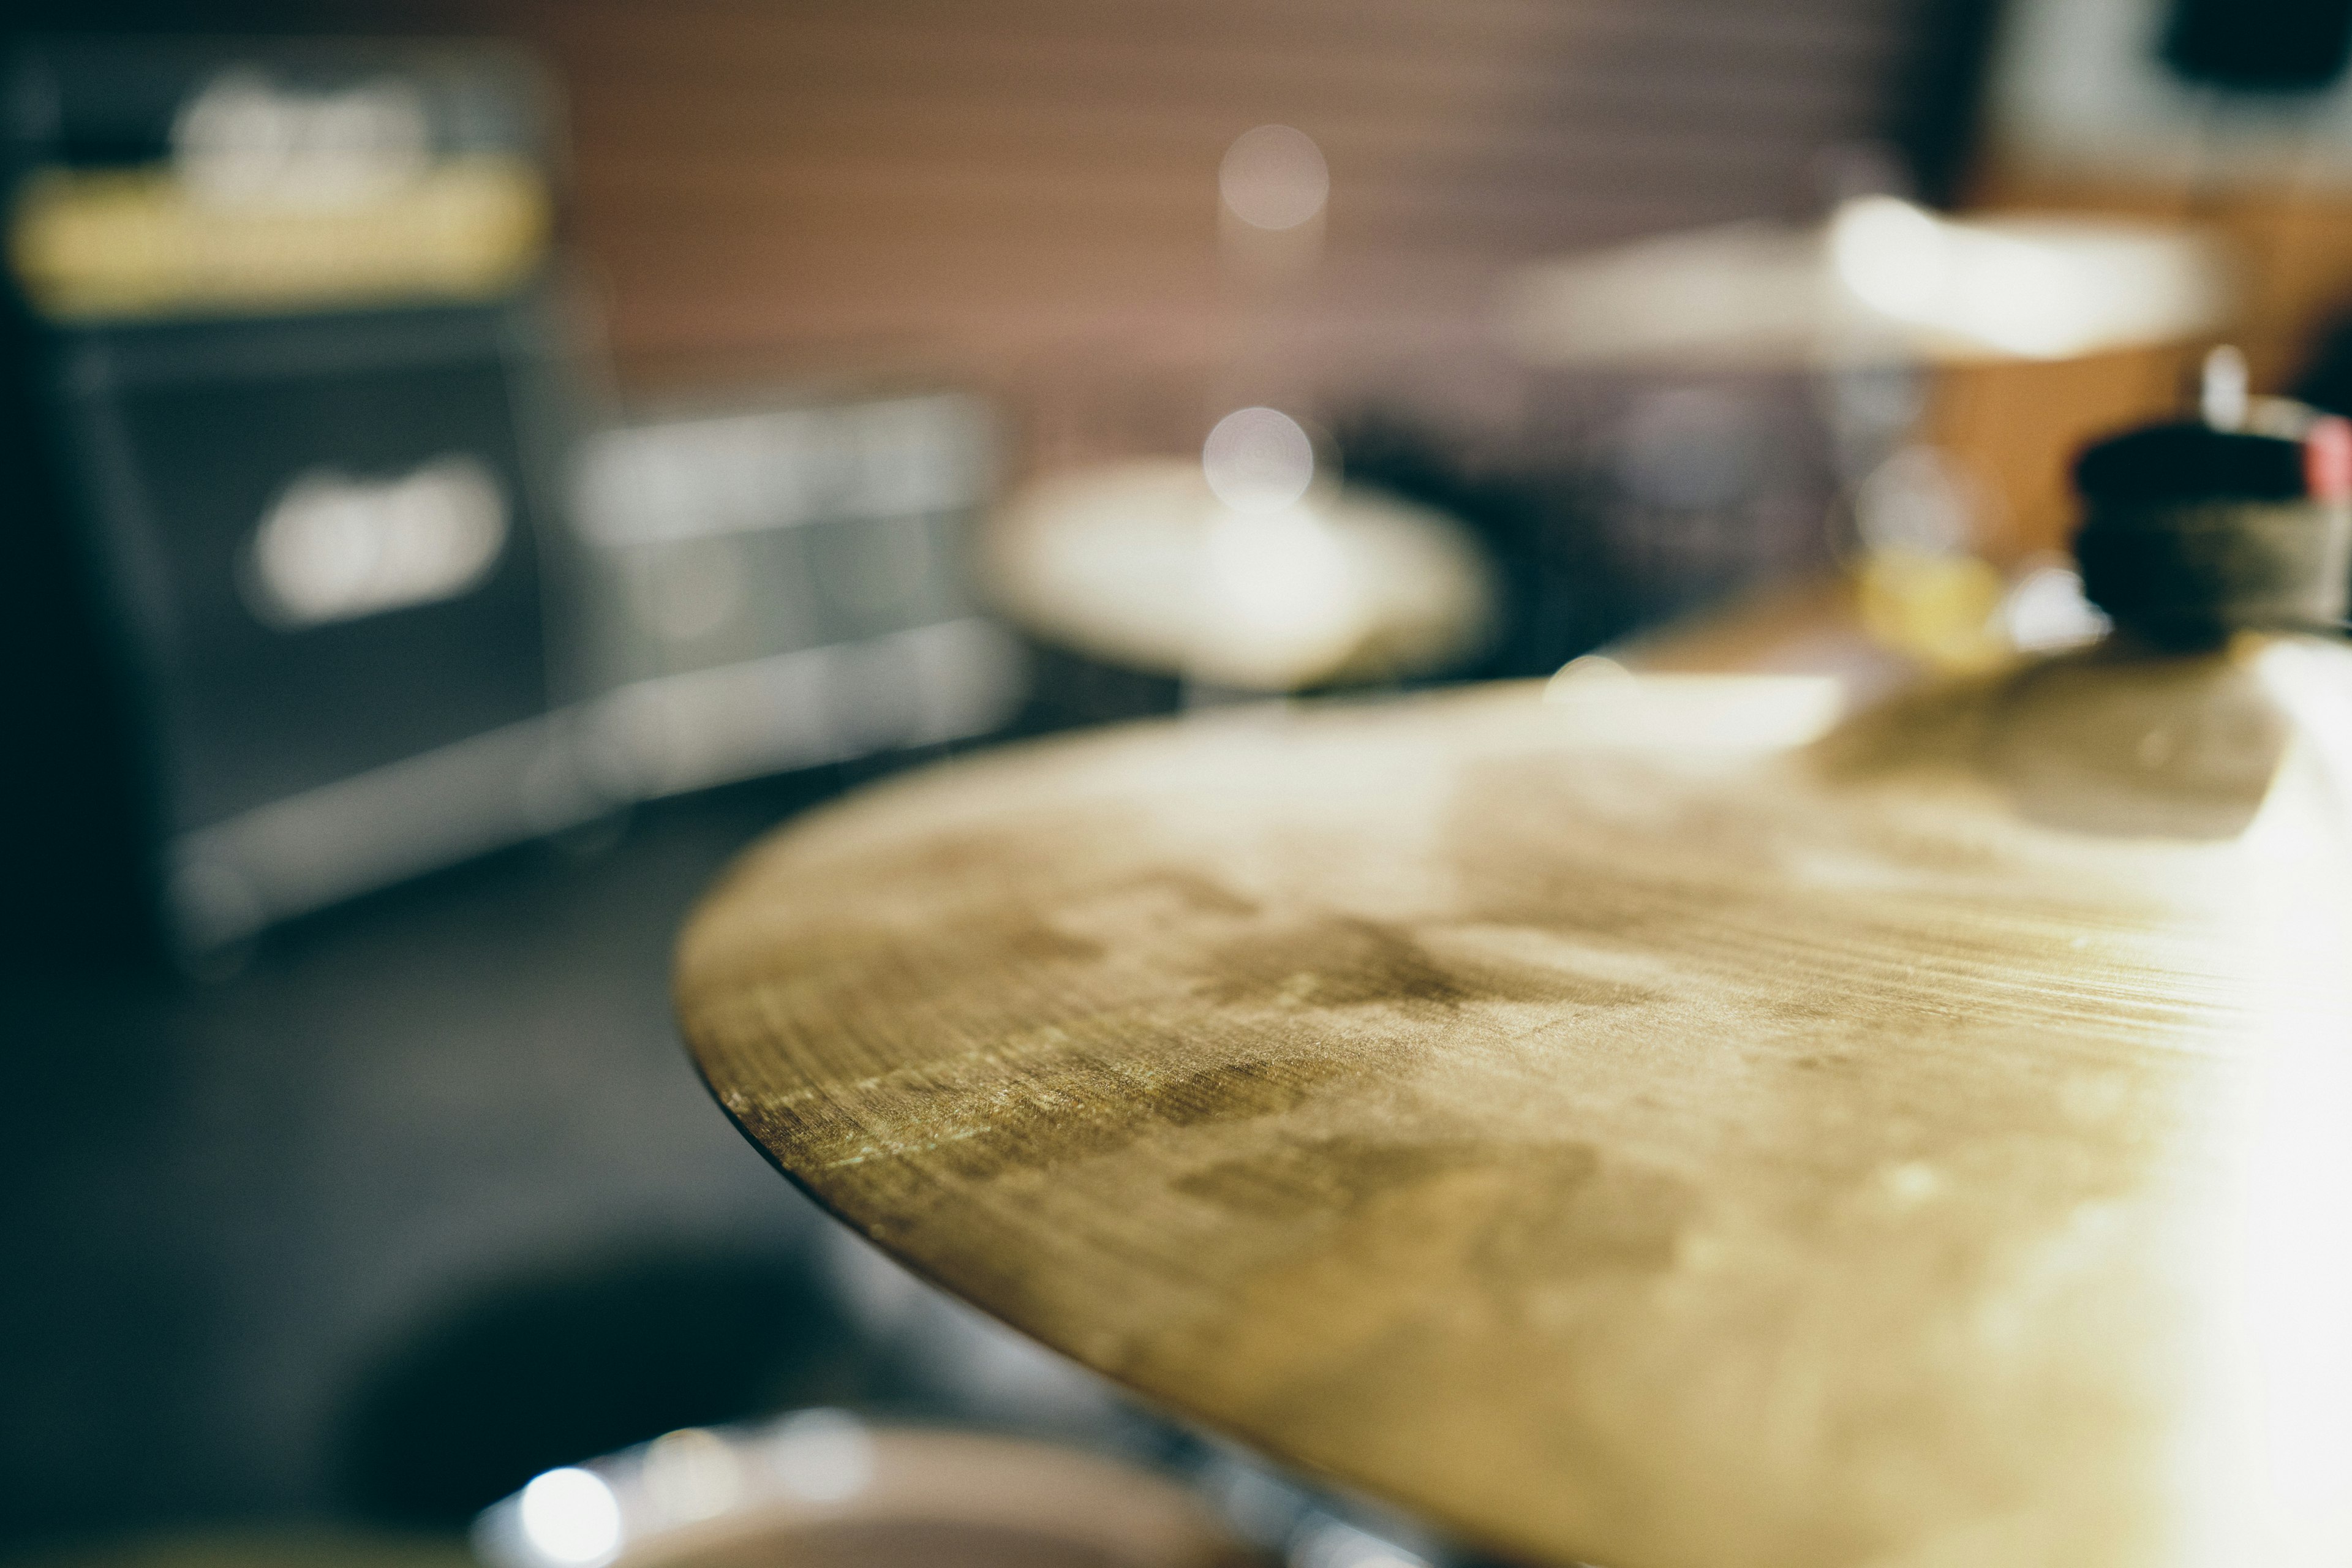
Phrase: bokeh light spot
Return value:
(1258, 460)
(571, 1516)
(1273, 177)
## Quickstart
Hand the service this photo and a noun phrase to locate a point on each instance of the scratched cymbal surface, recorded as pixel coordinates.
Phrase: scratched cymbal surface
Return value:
(1625, 1127)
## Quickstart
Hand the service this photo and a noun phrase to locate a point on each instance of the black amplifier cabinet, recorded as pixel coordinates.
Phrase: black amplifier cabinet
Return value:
(287, 621)
(283, 425)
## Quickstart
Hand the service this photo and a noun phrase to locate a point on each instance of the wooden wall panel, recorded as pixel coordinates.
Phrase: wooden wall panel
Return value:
(923, 186)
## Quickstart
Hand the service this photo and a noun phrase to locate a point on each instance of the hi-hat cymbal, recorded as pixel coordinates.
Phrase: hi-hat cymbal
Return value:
(1635, 1126)
(1139, 565)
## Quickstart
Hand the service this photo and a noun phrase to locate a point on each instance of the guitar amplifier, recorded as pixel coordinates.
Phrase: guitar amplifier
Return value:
(307, 557)
(279, 621)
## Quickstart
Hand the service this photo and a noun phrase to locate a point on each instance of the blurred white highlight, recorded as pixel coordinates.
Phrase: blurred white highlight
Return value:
(1258, 460)
(2222, 400)
(1329, 1543)
(244, 141)
(1603, 704)
(2041, 289)
(2265, 1465)
(334, 547)
(2045, 610)
(822, 1456)
(569, 1516)
(1885, 281)
(1141, 563)
(1273, 177)
(1286, 596)
(1894, 255)
(692, 1474)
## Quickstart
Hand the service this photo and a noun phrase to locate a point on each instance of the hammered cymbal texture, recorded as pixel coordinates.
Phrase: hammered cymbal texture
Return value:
(1627, 1127)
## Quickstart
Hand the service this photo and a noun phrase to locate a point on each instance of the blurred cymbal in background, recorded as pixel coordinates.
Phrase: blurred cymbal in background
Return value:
(1882, 282)
(1145, 564)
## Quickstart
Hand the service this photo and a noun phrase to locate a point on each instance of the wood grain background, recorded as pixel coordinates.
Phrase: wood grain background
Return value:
(1024, 192)
(921, 187)
(919, 183)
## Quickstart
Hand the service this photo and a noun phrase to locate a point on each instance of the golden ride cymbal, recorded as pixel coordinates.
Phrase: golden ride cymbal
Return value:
(1636, 1127)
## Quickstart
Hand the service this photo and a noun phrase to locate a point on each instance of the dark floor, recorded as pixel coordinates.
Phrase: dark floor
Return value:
(250, 1227)
(426, 1196)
